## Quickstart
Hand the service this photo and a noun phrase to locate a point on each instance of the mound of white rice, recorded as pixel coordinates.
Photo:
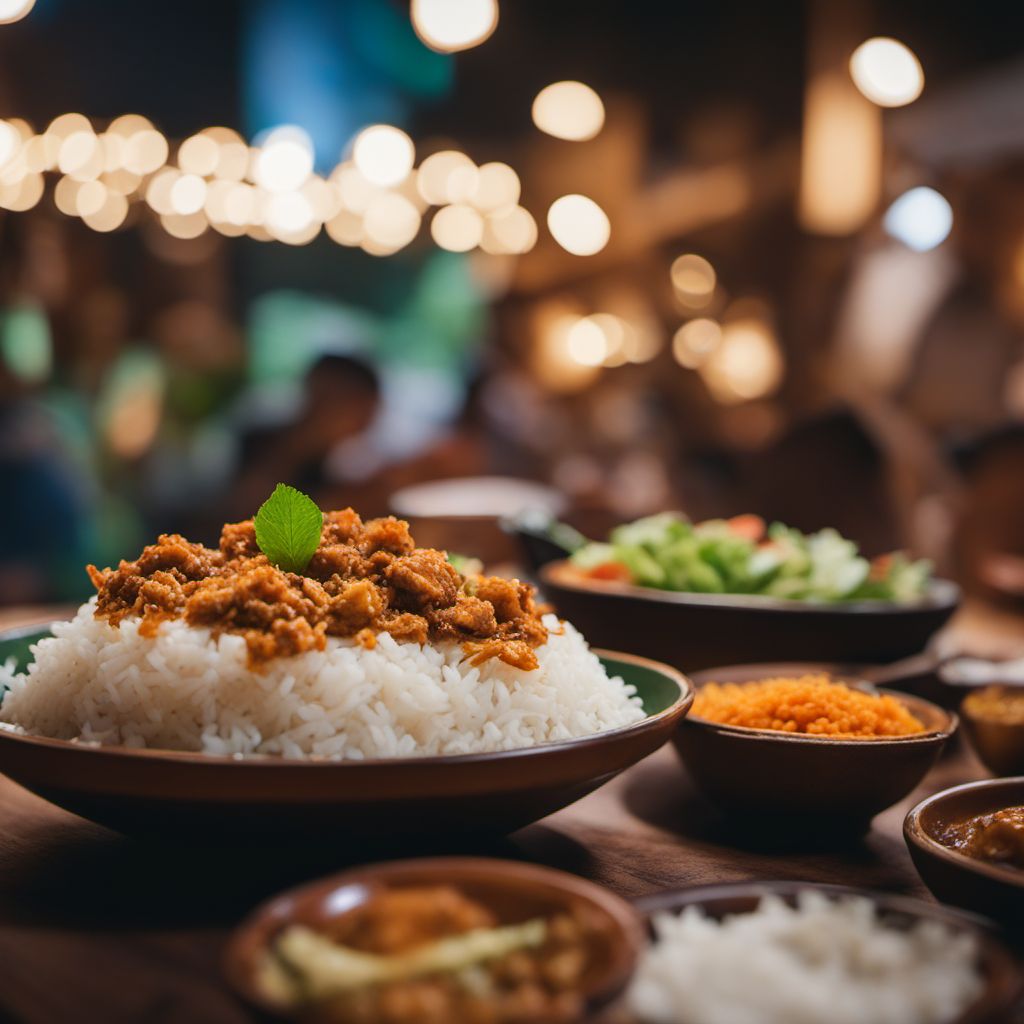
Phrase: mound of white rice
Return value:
(823, 960)
(186, 690)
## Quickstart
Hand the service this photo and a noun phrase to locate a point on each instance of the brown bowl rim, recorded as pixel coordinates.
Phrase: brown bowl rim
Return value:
(909, 701)
(676, 710)
(248, 937)
(915, 834)
(943, 595)
(1005, 987)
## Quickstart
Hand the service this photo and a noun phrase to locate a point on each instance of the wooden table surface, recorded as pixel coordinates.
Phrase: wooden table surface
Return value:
(98, 927)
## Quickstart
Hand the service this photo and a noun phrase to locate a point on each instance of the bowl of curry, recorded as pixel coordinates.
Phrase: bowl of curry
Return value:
(967, 844)
(458, 939)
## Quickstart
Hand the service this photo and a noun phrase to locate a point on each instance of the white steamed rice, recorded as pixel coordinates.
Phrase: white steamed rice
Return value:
(186, 690)
(823, 960)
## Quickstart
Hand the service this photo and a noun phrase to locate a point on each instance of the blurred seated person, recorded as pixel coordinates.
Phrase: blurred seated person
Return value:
(44, 518)
(990, 539)
(825, 471)
(341, 398)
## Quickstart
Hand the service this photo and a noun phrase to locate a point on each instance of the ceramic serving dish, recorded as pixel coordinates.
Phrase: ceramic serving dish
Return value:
(998, 965)
(161, 791)
(999, 744)
(776, 777)
(993, 889)
(515, 892)
(698, 631)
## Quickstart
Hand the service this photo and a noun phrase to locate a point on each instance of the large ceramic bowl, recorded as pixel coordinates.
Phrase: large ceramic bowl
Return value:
(993, 889)
(513, 891)
(997, 964)
(171, 792)
(698, 631)
(772, 776)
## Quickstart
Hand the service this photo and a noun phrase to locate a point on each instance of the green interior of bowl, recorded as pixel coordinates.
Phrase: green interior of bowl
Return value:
(16, 645)
(657, 691)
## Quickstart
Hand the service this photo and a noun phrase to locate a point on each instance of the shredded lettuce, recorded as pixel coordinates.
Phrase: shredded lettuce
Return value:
(668, 552)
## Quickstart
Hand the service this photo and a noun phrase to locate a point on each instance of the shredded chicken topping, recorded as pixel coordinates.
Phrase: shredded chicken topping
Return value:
(364, 579)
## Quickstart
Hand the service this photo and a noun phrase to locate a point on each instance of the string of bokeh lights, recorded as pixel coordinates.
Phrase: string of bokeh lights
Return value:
(377, 199)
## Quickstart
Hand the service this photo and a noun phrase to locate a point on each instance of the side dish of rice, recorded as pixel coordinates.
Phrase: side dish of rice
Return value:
(822, 960)
(186, 688)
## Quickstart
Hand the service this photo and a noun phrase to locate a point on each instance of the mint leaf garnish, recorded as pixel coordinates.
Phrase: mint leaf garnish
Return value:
(288, 528)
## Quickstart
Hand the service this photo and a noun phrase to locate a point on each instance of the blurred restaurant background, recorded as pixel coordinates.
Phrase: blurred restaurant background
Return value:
(720, 258)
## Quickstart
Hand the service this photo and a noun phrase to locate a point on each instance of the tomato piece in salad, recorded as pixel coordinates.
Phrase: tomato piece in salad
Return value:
(611, 571)
(748, 526)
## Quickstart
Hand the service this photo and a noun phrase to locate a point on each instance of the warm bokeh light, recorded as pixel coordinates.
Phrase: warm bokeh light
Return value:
(146, 151)
(240, 204)
(452, 25)
(10, 142)
(232, 153)
(216, 201)
(68, 124)
(111, 215)
(391, 220)
(552, 361)
(616, 332)
(14, 10)
(158, 191)
(198, 154)
(457, 228)
(126, 125)
(693, 279)
(65, 196)
(383, 154)
(642, 340)
(497, 188)
(568, 110)
(80, 152)
(887, 72)
(745, 364)
(841, 157)
(579, 225)
(695, 341)
(288, 213)
(447, 177)
(23, 194)
(921, 219)
(186, 226)
(509, 233)
(346, 228)
(90, 198)
(322, 196)
(284, 161)
(188, 194)
(355, 192)
(587, 342)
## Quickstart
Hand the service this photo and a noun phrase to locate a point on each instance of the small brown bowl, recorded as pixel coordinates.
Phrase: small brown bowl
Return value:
(513, 891)
(1003, 982)
(840, 784)
(992, 889)
(698, 631)
(998, 744)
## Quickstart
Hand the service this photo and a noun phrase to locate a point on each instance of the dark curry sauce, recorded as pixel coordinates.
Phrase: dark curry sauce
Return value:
(996, 837)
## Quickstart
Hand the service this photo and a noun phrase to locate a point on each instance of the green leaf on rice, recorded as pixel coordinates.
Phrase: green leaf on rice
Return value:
(288, 527)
